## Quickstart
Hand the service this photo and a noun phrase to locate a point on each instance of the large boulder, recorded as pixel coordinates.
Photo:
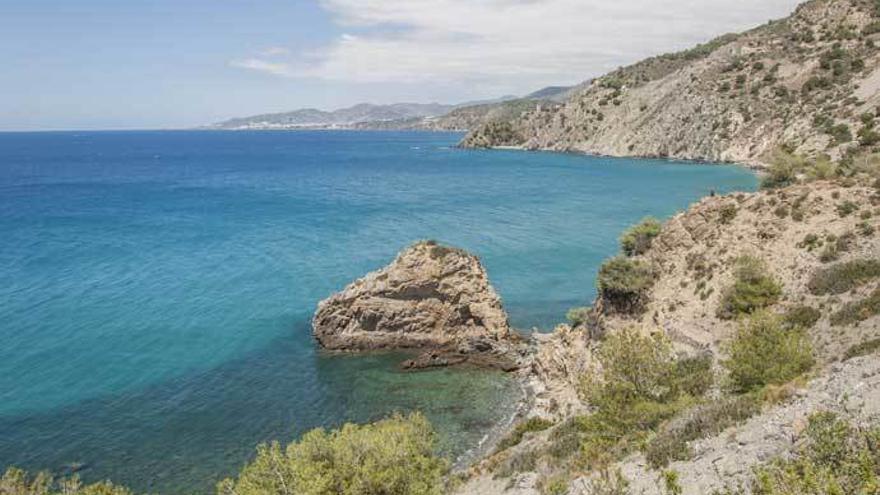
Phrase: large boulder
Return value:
(431, 297)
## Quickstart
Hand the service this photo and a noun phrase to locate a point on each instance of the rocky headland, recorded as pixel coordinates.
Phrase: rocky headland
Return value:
(803, 82)
(431, 298)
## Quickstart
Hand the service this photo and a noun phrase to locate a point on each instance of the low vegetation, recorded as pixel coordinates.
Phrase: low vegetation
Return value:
(642, 384)
(862, 349)
(392, 456)
(765, 351)
(834, 457)
(672, 441)
(753, 289)
(637, 239)
(18, 482)
(516, 436)
(804, 317)
(578, 316)
(623, 283)
(859, 311)
(843, 277)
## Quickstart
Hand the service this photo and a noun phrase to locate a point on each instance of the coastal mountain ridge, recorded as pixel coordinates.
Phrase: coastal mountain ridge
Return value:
(803, 82)
(400, 116)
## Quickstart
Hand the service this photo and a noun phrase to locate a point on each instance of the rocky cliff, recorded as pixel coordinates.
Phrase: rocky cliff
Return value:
(431, 297)
(817, 242)
(803, 82)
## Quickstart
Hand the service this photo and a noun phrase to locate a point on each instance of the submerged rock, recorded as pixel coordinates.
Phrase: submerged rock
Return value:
(430, 297)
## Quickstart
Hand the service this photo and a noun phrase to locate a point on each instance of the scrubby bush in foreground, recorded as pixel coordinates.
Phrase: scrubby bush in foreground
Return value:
(642, 384)
(765, 351)
(834, 458)
(804, 317)
(394, 456)
(637, 239)
(623, 282)
(527, 426)
(843, 277)
(17, 482)
(671, 442)
(753, 289)
(578, 316)
(859, 311)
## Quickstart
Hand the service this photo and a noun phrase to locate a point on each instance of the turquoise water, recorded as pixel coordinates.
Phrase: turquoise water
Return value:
(156, 286)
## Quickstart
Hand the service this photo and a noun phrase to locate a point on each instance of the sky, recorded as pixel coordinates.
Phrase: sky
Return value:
(135, 64)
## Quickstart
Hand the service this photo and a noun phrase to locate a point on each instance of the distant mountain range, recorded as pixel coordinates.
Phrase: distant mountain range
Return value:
(428, 116)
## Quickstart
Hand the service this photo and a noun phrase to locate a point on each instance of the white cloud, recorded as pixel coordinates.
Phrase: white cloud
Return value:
(497, 42)
(275, 68)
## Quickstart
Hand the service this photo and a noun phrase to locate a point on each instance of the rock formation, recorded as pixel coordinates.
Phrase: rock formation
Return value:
(433, 298)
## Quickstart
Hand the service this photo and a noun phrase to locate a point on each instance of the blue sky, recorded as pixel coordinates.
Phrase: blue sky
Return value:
(108, 64)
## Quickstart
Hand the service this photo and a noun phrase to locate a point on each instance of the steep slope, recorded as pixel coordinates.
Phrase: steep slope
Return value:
(802, 82)
(817, 241)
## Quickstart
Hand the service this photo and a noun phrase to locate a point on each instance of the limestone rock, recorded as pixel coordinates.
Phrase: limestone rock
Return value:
(431, 297)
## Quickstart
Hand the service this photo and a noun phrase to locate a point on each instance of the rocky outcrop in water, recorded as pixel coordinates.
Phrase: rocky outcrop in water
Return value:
(431, 297)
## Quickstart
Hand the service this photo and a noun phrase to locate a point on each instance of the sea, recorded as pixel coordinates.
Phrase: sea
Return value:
(156, 287)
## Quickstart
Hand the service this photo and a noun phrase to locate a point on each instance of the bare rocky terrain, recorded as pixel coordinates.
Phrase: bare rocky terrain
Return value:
(802, 82)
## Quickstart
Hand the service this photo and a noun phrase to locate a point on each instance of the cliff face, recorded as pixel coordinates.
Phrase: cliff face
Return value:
(431, 296)
(802, 82)
(819, 241)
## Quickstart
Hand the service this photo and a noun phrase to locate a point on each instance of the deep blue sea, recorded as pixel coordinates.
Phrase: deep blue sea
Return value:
(156, 287)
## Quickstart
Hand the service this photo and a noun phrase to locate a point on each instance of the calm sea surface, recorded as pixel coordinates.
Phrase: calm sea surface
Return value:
(156, 287)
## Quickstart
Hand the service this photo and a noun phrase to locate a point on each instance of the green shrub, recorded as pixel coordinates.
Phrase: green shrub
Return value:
(555, 485)
(672, 441)
(610, 483)
(578, 316)
(635, 367)
(840, 133)
(783, 170)
(822, 169)
(833, 458)
(862, 349)
(752, 289)
(392, 456)
(836, 246)
(843, 277)
(17, 482)
(642, 384)
(858, 311)
(727, 214)
(623, 282)
(810, 242)
(846, 208)
(764, 351)
(637, 239)
(868, 136)
(516, 436)
(804, 317)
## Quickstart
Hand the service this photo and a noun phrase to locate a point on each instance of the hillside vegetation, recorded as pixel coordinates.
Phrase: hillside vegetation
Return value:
(808, 82)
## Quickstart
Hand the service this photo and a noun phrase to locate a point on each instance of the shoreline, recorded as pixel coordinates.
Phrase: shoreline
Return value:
(756, 166)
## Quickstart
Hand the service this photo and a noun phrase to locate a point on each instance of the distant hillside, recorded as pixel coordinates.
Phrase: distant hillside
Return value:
(808, 82)
(553, 93)
(400, 116)
(343, 118)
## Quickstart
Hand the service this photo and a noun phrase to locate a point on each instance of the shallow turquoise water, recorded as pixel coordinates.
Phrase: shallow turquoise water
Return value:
(156, 286)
